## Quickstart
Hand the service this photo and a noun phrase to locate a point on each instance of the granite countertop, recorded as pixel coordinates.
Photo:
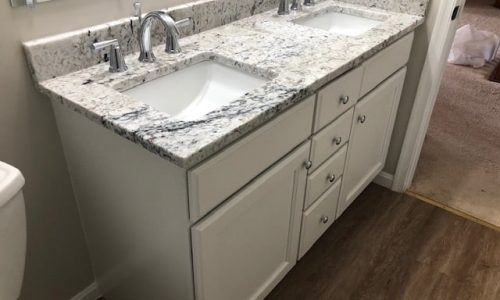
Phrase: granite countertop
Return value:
(296, 60)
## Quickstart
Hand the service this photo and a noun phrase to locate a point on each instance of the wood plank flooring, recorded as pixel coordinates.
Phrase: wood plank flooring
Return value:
(392, 246)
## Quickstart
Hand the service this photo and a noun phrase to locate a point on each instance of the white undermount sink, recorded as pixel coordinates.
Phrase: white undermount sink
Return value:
(196, 90)
(339, 23)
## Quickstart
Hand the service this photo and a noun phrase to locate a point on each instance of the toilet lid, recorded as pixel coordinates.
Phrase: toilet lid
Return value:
(11, 182)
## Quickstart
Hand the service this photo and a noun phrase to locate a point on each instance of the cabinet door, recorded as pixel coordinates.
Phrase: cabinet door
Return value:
(246, 246)
(371, 132)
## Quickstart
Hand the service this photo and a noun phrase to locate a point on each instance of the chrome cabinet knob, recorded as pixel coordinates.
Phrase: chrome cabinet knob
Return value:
(362, 119)
(337, 140)
(308, 164)
(331, 178)
(344, 99)
(324, 219)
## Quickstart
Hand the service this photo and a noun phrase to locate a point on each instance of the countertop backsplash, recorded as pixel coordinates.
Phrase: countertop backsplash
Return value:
(69, 52)
(413, 7)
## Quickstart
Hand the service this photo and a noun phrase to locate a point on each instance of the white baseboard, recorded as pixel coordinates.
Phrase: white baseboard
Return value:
(384, 179)
(89, 293)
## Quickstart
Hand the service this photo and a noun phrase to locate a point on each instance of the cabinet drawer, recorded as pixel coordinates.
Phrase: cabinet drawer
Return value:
(325, 176)
(318, 218)
(337, 97)
(385, 63)
(221, 176)
(330, 139)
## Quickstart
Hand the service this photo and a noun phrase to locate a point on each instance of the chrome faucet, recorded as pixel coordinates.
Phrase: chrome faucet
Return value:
(296, 5)
(171, 34)
(284, 7)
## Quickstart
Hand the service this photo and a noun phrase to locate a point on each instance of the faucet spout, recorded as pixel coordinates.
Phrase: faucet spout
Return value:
(171, 34)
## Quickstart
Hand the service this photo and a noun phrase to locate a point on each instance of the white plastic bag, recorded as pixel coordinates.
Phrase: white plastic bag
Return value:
(473, 47)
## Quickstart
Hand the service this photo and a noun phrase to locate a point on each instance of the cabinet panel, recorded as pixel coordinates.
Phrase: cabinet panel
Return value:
(242, 249)
(372, 128)
(337, 97)
(318, 218)
(218, 178)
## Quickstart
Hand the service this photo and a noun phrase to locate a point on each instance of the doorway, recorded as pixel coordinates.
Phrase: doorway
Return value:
(459, 165)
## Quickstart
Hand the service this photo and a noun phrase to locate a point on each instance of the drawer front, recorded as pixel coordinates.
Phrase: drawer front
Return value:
(330, 139)
(325, 176)
(385, 63)
(221, 176)
(318, 218)
(337, 97)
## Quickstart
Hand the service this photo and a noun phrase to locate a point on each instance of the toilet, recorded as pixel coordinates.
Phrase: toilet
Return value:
(12, 232)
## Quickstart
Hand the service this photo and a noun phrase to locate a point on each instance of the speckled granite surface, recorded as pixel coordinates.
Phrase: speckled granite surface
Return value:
(296, 60)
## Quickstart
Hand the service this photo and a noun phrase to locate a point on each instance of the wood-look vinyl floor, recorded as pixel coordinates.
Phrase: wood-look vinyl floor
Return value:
(393, 246)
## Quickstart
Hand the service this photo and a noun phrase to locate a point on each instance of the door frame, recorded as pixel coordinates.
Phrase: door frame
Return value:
(439, 47)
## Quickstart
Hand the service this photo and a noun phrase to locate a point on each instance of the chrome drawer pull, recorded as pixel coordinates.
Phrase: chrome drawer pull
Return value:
(337, 140)
(344, 99)
(362, 119)
(324, 219)
(331, 178)
(308, 164)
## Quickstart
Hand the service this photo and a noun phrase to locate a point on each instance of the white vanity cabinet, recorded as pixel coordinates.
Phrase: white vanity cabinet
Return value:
(245, 247)
(373, 122)
(234, 225)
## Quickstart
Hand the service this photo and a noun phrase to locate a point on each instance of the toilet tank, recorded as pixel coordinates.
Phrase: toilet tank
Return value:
(12, 232)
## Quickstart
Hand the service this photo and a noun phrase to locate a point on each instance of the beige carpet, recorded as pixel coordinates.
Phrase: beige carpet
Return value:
(460, 162)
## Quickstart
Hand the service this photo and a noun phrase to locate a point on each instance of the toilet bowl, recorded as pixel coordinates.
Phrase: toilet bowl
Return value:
(12, 232)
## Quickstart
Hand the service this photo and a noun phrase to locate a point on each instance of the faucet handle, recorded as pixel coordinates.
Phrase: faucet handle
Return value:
(184, 22)
(116, 60)
(138, 10)
(181, 24)
(284, 7)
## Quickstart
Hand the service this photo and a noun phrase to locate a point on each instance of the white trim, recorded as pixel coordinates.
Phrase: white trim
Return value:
(442, 36)
(384, 179)
(89, 293)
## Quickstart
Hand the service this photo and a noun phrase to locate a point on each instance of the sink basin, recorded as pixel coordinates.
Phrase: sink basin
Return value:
(196, 90)
(340, 23)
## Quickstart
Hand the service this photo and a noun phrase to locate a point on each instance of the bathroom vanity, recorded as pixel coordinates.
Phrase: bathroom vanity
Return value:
(219, 201)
